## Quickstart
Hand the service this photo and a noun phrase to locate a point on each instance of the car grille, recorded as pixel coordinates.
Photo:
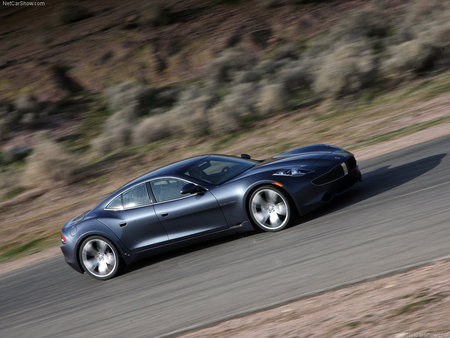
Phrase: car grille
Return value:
(336, 173)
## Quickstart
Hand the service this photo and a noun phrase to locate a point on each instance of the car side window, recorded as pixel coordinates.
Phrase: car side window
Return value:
(136, 197)
(115, 204)
(166, 189)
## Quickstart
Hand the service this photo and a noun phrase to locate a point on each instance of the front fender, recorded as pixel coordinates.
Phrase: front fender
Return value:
(276, 182)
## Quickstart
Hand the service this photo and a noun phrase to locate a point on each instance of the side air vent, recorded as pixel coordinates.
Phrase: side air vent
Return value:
(332, 175)
(351, 163)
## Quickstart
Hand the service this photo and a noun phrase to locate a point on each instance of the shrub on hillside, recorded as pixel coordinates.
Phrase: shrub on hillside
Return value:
(48, 163)
(420, 15)
(222, 69)
(407, 60)
(190, 115)
(435, 41)
(271, 3)
(270, 66)
(367, 22)
(29, 110)
(438, 39)
(11, 184)
(134, 97)
(421, 41)
(26, 104)
(4, 180)
(69, 12)
(294, 76)
(223, 120)
(9, 117)
(155, 13)
(262, 70)
(287, 51)
(14, 153)
(166, 96)
(285, 87)
(116, 133)
(151, 129)
(236, 109)
(272, 98)
(245, 76)
(346, 70)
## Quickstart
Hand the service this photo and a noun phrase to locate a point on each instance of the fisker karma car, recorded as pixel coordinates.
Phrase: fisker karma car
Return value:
(201, 198)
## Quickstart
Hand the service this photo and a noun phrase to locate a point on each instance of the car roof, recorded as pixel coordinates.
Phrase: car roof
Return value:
(168, 170)
(173, 169)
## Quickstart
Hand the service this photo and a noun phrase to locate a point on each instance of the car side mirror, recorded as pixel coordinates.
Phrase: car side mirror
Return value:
(191, 188)
(246, 156)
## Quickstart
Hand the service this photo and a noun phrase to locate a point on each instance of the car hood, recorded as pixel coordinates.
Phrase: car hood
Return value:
(317, 159)
(307, 157)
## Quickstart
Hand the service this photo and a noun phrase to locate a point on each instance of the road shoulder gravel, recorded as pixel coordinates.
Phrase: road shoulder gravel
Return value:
(409, 303)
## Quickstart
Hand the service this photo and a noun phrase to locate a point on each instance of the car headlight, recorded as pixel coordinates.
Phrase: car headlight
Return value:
(293, 172)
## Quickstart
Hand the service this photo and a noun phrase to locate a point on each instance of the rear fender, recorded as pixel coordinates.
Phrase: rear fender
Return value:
(94, 227)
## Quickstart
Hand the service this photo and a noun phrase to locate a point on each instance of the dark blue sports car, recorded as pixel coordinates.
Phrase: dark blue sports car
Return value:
(200, 198)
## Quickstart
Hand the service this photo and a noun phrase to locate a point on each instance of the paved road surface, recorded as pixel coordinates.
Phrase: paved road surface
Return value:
(399, 215)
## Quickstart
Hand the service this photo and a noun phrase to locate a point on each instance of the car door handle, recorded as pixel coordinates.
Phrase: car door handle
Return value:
(123, 224)
(164, 214)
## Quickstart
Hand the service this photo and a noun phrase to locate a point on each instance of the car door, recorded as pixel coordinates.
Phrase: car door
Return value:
(185, 216)
(136, 223)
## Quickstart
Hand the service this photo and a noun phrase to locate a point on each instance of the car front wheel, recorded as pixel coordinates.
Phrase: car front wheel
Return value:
(99, 257)
(269, 209)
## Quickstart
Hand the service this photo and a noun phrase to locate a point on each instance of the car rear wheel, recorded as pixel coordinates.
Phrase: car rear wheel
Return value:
(269, 209)
(99, 257)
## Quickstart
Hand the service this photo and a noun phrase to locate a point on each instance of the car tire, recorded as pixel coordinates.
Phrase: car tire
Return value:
(269, 209)
(99, 258)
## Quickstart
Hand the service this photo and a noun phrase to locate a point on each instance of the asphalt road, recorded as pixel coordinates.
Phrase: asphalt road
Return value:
(398, 216)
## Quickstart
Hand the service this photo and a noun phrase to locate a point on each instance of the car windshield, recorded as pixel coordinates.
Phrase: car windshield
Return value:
(217, 169)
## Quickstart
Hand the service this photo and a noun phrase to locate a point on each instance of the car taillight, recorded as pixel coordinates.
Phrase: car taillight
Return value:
(63, 239)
